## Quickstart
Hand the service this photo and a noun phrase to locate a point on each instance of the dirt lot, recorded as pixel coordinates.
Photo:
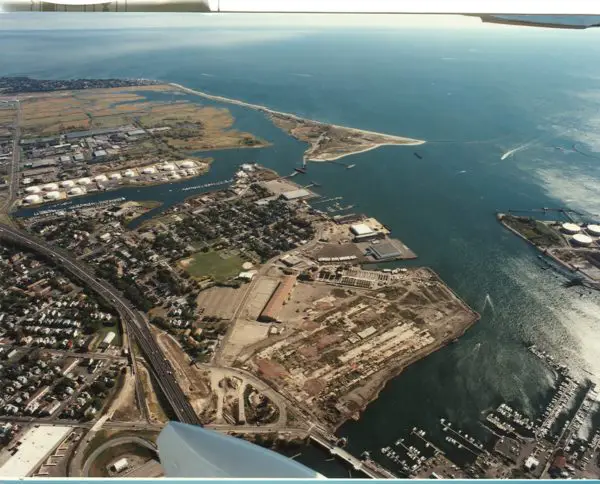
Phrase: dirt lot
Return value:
(347, 342)
(220, 301)
(337, 250)
(279, 186)
(124, 407)
(307, 298)
(155, 411)
(244, 333)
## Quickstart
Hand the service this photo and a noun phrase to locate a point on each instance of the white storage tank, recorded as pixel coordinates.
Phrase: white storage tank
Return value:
(129, 173)
(115, 176)
(148, 170)
(84, 181)
(53, 195)
(581, 239)
(33, 189)
(32, 198)
(100, 178)
(167, 167)
(594, 230)
(67, 183)
(76, 191)
(188, 164)
(50, 187)
(571, 228)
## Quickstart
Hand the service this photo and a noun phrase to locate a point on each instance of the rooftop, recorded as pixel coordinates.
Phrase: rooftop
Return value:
(36, 443)
(361, 229)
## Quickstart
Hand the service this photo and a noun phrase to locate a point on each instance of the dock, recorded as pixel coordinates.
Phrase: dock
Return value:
(367, 466)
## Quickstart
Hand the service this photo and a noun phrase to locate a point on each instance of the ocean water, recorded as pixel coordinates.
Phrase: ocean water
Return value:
(473, 95)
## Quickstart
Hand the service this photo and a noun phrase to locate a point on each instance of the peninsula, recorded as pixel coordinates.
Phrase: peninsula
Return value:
(573, 247)
(328, 142)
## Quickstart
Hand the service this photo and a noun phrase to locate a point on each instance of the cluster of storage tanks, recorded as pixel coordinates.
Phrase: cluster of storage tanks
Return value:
(582, 236)
(50, 191)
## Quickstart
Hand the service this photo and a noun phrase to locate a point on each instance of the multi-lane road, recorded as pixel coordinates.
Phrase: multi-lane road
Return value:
(136, 324)
(13, 179)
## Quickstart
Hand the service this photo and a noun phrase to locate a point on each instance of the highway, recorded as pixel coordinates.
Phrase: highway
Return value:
(13, 179)
(135, 322)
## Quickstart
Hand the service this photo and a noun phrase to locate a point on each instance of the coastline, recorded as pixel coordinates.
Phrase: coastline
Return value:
(378, 145)
(549, 253)
(381, 379)
(401, 140)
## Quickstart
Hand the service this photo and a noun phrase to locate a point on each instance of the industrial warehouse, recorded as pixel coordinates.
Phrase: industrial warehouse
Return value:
(272, 310)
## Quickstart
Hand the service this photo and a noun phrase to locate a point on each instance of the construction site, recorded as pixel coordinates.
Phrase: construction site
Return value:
(331, 343)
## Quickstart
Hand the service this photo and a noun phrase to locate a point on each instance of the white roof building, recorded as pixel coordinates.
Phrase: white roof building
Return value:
(531, 463)
(36, 444)
(361, 229)
(246, 275)
(108, 339)
(296, 194)
(120, 465)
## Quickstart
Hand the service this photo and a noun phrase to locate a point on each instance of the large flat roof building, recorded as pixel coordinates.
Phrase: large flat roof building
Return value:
(279, 297)
(36, 445)
(361, 229)
(384, 250)
(296, 194)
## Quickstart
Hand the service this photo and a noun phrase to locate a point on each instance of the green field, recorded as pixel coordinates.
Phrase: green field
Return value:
(101, 329)
(216, 265)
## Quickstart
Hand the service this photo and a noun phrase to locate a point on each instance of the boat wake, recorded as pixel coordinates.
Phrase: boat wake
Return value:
(529, 144)
(518, 148)
(488, 301)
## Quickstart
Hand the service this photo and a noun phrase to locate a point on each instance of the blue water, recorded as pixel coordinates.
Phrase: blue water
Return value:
(473, 95)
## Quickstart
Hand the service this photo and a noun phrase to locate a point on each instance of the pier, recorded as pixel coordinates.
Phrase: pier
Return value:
(208, 185)
(368, 467)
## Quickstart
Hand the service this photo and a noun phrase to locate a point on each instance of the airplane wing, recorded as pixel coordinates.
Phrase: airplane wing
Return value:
(193, 451)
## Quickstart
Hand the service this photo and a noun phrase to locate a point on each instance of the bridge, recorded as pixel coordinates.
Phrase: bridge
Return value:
(367, 466)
